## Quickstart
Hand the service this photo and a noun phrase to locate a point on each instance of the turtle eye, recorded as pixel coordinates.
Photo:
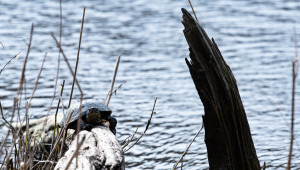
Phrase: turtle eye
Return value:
(93, 110)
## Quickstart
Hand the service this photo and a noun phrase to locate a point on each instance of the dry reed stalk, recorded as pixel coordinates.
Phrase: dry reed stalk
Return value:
(62, 144)
(75, 153)
(4, 157)
(9, 124)
(294, 76)
(60, 21)
(113, 81)
(58, 59)
(8, 62)
(57, 107)
(187, 149)
(15, 135)
(28, 149)
(79, 124)
(74, 78)
(66, 60)
(77, 59)
(181, 164)
(62, 130)
(193, 10)
(25, 61)
(3, 145)
(59, 137)
(147, 126)
(36, 84)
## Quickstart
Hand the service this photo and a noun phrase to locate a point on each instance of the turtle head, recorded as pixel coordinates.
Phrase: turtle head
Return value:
(112, 124)
(93, 116)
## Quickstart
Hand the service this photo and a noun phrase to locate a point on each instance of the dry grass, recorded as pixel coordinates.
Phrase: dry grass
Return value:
(25, 151)
(21, 150)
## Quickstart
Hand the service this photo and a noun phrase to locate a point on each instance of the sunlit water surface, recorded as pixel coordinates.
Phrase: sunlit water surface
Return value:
(255, 38)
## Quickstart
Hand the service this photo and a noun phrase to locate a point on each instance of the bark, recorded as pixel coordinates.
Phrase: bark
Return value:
(227, 132)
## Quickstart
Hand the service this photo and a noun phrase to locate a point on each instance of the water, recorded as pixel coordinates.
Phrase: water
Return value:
(255, 38)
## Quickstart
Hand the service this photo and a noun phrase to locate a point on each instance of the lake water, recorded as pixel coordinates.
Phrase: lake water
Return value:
(255, 38)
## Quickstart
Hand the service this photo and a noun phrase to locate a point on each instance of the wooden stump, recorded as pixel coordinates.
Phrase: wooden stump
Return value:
(227, 132)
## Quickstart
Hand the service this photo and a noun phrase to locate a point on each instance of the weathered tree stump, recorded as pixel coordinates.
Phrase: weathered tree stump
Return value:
(227, 132)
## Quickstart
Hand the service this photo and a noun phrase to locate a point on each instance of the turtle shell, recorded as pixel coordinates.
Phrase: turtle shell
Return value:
(86, 105)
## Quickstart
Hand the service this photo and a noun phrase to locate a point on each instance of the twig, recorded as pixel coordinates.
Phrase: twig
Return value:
(13, 129)
(193, 10)
(115, 91)
(76, 152)
(2, 45)
(148, 123)
(127, 141)
(77, 60)
(295, 73)
(8, 62)
(113, 80)
(187, 149)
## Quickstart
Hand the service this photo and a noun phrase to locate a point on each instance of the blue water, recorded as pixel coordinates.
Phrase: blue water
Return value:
(255, 38)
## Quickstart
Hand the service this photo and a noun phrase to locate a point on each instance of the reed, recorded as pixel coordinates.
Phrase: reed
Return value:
(77, 59)
(295, 67)
(22, 152)
(113, 81)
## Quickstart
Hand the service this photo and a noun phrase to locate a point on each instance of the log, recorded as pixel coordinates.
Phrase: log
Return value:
(227, 133)
(41, 129)
(100, 148)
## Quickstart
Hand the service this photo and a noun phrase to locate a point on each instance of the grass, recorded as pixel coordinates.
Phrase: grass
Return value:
(20, 149)
(27, 151)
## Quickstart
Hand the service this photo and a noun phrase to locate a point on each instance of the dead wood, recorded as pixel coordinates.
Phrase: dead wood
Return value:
(227, 132)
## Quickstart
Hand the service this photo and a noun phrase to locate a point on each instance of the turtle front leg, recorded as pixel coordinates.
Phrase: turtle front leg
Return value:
(86, 126)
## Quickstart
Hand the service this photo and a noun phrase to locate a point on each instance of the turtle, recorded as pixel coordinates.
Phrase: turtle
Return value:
(93, 113)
